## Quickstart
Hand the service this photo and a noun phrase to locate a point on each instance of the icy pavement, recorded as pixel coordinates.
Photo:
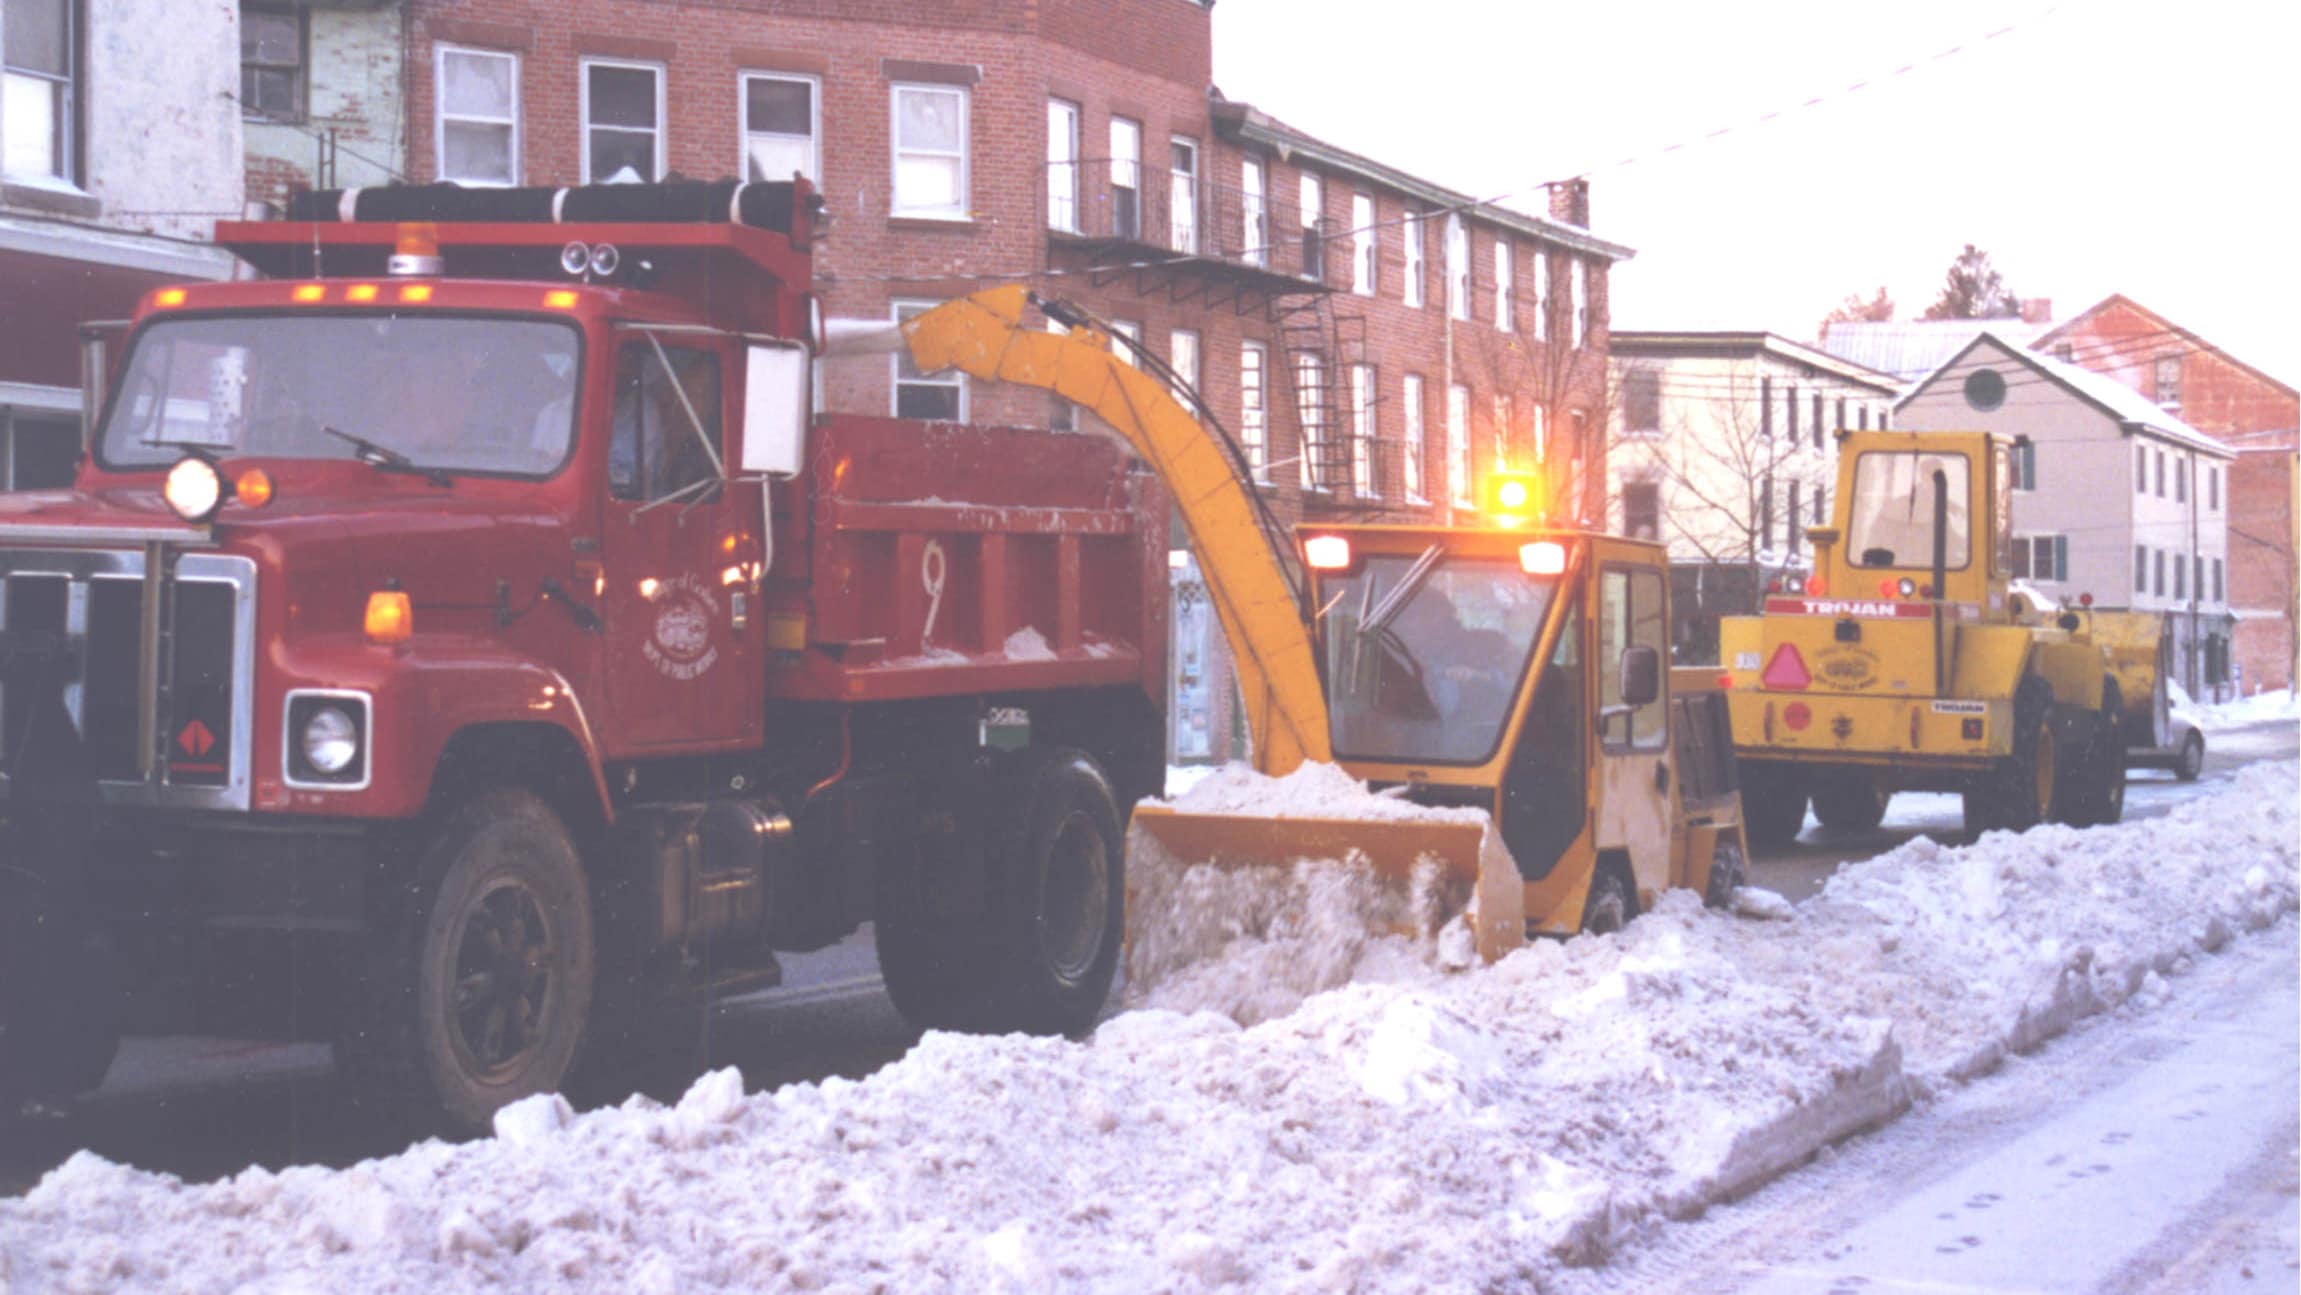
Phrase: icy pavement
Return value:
(1430, 1132)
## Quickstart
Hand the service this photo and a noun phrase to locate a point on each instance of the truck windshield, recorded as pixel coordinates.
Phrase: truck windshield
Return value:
(1891, 522)
(449, 393)
(1431, 680)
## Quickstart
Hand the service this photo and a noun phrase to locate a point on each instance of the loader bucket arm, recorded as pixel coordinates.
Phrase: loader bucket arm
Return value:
(983, 335)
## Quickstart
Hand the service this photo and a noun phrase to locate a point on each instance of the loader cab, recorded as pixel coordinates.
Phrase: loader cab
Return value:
(1881, 545)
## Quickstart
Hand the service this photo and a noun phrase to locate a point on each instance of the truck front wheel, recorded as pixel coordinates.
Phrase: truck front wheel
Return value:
(481, 996)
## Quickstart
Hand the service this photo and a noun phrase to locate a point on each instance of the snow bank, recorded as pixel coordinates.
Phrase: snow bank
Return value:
(1433, 1132)
(2220, 717)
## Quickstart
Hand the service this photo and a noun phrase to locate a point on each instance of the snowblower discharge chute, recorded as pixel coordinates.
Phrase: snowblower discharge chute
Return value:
(1512, 672)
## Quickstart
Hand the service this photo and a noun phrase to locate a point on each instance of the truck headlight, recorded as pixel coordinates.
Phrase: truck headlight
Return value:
(194, 488)
(326, 739)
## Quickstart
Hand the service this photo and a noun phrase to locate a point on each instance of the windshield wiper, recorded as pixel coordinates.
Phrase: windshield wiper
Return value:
(1394, 601)
(386, 459)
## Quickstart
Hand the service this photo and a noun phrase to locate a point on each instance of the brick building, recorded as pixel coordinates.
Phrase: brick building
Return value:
(321, 94)
(2252, 413)
(1377, 343)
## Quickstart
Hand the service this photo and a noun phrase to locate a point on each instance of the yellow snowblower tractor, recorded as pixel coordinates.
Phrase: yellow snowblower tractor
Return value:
(1511, 669)
(1904, 662)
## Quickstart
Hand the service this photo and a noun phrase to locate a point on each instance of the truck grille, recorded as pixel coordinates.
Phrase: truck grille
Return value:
(93, 602)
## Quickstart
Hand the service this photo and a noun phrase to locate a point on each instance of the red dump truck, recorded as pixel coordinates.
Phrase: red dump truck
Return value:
(464, 645)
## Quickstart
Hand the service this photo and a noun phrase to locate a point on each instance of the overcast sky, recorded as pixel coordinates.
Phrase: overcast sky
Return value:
(2098, 146)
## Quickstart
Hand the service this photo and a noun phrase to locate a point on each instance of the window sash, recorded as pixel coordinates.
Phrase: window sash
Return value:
(1254, 212)
(481, 121)
(762, 146)
(1253, 411)
(1310, 418)
(596, 132)
(1505, 310)
(1182, 357)
(1063, 166)
(1416, 262)
(930, 177)
(923, 388)
(1410, 458)
(1581, 304)
(1362, 244)
(1182, 195)
(1457, 267)
(1362, 429)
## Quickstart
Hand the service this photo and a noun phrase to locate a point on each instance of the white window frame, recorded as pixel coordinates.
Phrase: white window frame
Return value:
(440, 116)
(1310, 415)
(1581, 303)
(65, 92)
(1413, 447)
(1311, 193)
(1505, 310)
(1417, 264)
(1254, 408)
(1254, 210)
(896, 151)
(1541, 293)
(743, 131)
(1363, 246)
(1458, 444)
(1063, 171)
(1457, 266)
(1182, 194)
(1362, 430)
(1132, 330)
(1505, 413)
(1541, 434)
(896, 309)
(1126, 172)
(584, 127)
(1183, 357)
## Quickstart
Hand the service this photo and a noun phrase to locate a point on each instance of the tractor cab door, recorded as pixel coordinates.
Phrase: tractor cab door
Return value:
(680, 550)
(1634, 760)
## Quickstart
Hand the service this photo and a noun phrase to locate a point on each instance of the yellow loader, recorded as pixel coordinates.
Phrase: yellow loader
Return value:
(1513, 670)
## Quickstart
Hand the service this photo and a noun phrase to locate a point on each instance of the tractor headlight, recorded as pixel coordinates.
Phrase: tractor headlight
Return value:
(327, 740)
(194, 488)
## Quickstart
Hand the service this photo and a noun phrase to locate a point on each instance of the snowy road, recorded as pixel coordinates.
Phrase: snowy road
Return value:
(2143, 1153)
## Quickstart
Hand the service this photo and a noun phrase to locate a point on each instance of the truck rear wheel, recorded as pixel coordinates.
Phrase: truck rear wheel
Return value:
(1058, 895)
(1849, 800)
(1773, 802)
(480, 997)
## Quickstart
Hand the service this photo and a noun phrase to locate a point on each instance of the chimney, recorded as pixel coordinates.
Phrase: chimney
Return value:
(1570, 201)
(2037, 310)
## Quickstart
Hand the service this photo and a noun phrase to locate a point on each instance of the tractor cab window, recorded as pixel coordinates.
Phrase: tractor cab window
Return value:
(1892, 509)
(1423, 655)
(446, 393)
(1630, 615)
(666, 424)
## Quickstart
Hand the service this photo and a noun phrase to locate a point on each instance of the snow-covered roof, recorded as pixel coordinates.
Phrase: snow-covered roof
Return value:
(1912, 348)
(2105, 393)
(1649, 343)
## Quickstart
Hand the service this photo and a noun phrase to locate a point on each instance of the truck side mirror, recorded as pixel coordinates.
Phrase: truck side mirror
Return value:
(776, 400)
(1641, 679)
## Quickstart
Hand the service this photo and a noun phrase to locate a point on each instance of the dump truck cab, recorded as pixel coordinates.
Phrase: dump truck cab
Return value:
(1902, 660)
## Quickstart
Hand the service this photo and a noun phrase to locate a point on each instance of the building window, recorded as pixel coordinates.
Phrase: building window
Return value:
(1310, 417)
(2140, 569)
(1130, 350)
(1541, 294)
(1363, 247)
(2217, 595)
(1790, 406)
(1458, 444)
(941, 397)
(1865, 417)
(2180, 577)
(2200, 561)
(2180, 482)
(1410, 291)
(1642, 402)
(1581, 304)
(2041, 557)
(1817, 420)
(1642, 510)
(2159, 556)
(1766, 513)
(2141, 469)
(2065, 352)
(1505, 414)
(1821, 513)
(478, 116)
(38, 450)
(39, 55)
(1362, 430)
(1410, 454)
(1505, 309)
(2024, 461)
(2160, 474)
(930, 151)
(2213, 486)
(271, 63)
(1182, 195)
(1457, 267)
(1062, 166)
(1790, 519)
(780, 126)
(1182, 357)
(1254, 213)
(1841, 413)
(2169, 382)
(1253, 433)
(622, 122)
(1313, 237)
(1766, 408)
(1542, 433)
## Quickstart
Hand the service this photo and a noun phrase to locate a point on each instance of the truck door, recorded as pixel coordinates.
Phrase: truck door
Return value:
(1634, 751)
(680, 550)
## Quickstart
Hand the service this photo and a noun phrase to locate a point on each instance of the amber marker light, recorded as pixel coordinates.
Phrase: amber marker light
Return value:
(390, 619)
(1326, 552)
(360, 292)
(253, 487)
(168, 297)
(415, 294)
(559, 299)
(306, 293)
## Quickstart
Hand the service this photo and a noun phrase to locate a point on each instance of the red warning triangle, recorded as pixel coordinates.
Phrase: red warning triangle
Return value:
(1787, 669)
(196, 738)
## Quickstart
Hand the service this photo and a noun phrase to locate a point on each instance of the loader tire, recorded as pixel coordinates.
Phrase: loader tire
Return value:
(1773, 803)
(2099, 797)
(1849, 801)
(1728, 872)
(1611, 902)
(2026, 788)
(479, 995)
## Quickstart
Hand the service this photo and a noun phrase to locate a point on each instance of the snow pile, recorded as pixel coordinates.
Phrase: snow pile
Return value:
(1463, 1132)
(2220, 717)
(1027, 644)
(1313, 791)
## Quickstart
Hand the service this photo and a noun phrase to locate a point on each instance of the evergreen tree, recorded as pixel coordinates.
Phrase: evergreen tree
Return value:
(1972, 289)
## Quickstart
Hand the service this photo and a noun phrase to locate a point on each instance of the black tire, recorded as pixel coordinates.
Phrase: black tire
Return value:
(1980, 810)
(934, 954)
(480, 995)
(1057, 896)
(1773, 803)
(1611, 902)
(1849, 801)
(2191, 761)
(2099, 797)
(2027, 787)
(1728, 871)
(59, 997)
